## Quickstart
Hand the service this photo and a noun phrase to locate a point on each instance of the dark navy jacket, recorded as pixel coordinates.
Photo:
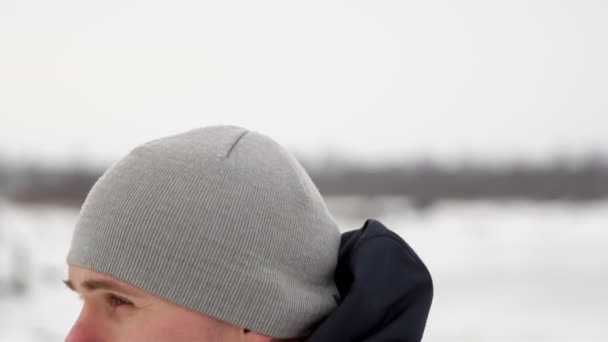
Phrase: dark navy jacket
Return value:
(386, 290)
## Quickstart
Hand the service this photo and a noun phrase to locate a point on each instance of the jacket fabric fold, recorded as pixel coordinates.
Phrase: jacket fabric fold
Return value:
(386, 290)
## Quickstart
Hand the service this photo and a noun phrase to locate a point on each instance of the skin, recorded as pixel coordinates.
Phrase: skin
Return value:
(116, 311)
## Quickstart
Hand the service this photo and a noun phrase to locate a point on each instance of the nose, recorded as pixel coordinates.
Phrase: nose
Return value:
(85, 328)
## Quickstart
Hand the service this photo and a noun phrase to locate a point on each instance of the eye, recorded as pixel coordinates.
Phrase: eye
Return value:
(116, 301)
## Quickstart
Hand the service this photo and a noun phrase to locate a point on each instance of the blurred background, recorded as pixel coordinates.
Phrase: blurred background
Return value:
(477, 130)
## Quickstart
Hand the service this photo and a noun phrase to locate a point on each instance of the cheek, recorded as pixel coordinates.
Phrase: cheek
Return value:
(165, 323)
(187, 326)
(98, 324)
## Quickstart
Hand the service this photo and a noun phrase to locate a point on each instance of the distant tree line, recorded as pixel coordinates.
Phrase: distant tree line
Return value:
(423, 183)
(426, 183)
(60, 185)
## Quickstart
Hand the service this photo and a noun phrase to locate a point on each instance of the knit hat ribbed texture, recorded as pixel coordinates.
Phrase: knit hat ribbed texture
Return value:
(221, 220)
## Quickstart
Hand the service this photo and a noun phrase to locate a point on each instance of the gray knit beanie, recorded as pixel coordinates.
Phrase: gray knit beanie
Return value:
(220, 220)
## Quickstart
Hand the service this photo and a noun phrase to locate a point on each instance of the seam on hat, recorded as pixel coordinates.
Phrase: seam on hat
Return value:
(235, 142)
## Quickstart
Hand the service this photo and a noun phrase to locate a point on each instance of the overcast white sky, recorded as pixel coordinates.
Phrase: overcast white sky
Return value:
(447, 79)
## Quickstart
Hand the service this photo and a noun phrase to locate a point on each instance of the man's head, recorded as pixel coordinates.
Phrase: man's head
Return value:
(219, 225)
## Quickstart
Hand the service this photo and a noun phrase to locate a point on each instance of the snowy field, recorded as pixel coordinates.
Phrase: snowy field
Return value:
(504, 271)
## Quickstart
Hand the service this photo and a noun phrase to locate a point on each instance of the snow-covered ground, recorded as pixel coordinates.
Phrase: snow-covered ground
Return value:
(503, 271)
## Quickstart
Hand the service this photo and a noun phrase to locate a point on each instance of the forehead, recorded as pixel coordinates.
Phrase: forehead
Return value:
(79, 273)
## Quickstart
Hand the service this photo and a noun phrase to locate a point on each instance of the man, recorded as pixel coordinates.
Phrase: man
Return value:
(218, 234)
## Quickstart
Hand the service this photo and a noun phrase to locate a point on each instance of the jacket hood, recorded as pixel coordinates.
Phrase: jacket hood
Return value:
(386, 290)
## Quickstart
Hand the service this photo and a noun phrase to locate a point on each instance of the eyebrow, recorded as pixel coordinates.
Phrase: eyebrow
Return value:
(100, 284)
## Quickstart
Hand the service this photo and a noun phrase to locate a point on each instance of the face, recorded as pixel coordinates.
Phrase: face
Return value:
(115, 311)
